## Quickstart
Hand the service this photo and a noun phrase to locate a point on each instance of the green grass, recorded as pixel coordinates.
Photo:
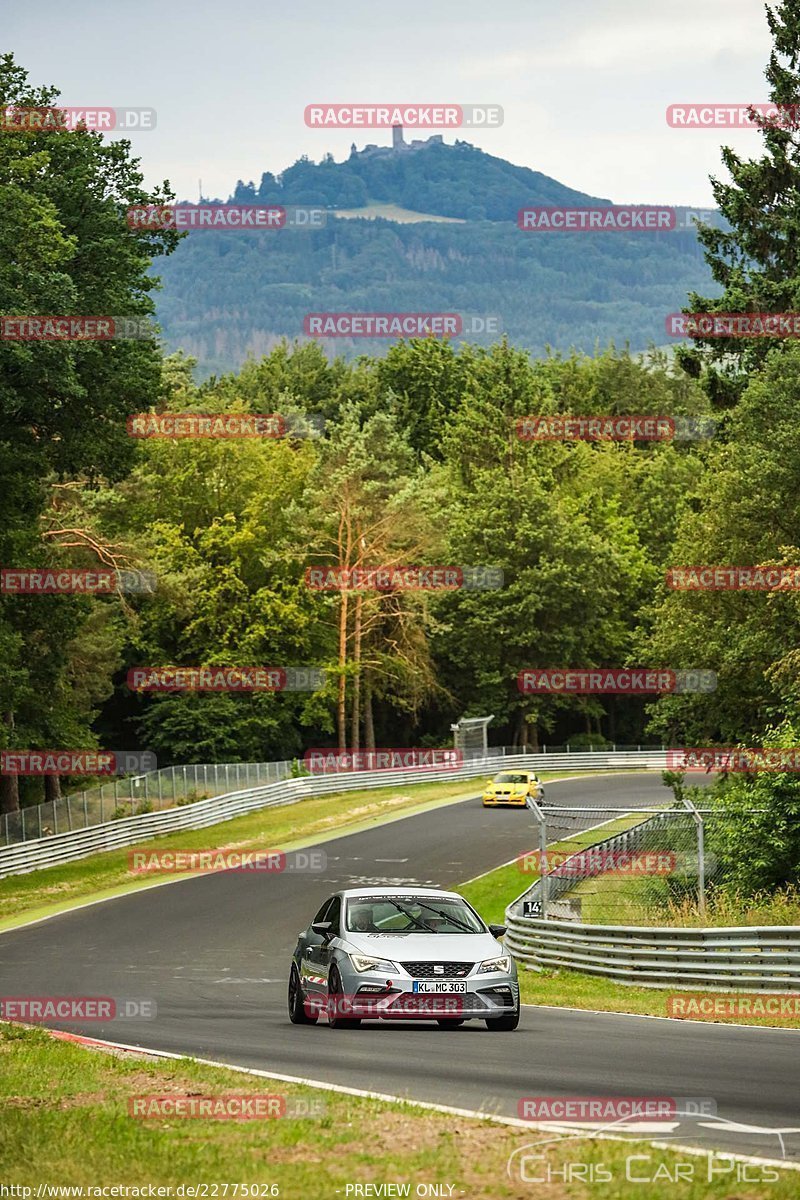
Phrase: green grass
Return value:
(65, 1109)
(573, 989)
(395, 212)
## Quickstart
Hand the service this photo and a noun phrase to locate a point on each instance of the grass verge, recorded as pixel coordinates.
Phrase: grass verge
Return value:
(66, 1109)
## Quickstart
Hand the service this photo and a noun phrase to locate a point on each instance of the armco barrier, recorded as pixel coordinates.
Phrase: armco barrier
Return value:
(129, 831)
(760, 958)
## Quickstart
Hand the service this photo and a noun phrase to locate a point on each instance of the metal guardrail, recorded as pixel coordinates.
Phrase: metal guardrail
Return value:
(60, 848)
(762, 958)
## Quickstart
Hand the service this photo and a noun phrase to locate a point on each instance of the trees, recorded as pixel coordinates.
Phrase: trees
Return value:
(747, 513)
(363, 511)
(64, 249)
(756, 260)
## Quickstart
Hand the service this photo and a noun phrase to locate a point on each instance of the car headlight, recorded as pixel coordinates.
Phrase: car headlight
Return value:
(365, 962)
(501, 963)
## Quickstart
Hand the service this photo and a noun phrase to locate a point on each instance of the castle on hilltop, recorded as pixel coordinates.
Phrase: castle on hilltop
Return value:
(398, 146)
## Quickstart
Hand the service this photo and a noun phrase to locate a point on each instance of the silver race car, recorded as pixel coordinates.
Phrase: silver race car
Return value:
(401, 953)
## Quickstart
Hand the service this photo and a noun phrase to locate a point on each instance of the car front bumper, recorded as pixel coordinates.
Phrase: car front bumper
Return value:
(492, 994)
(497, 801)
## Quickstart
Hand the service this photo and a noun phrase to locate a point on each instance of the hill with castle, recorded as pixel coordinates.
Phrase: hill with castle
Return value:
(442, 236)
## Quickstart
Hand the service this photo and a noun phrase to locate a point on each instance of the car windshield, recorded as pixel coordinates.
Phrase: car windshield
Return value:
(509, 777)
(410, 914)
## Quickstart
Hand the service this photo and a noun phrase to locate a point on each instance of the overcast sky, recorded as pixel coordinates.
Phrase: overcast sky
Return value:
(584, 84)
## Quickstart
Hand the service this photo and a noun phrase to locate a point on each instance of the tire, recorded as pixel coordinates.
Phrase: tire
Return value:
(298, 1010)
(334, 990)
(449, 1022)
(504, 1024)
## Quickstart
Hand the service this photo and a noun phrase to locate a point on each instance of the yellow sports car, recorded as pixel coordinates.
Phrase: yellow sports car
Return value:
(512, 787)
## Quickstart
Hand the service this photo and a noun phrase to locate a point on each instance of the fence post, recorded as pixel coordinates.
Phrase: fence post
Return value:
(205, 776)
(701, 865)
(701, 854)
(538, 812)
(184, 781)
(69, 813)
(160, 796)
(55, 817)
(39, 811)
(174, 789)
(85, 812)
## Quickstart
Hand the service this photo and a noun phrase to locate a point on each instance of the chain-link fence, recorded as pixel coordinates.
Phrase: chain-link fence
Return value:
(126, 797)
(645, 865)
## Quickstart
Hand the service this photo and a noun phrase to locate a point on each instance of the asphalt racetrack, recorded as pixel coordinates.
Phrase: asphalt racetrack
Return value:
(213, 952)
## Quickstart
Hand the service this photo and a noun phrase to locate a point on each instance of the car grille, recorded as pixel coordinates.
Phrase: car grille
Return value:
(425, 970)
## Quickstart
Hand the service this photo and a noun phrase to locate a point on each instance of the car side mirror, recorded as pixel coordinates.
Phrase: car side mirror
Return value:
(497, 930)
(322, 929)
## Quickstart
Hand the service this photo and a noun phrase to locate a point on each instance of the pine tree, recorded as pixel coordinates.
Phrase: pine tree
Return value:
(757, 259)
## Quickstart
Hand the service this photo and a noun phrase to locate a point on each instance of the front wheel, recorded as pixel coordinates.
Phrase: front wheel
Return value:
(505, 1023)
(299, 1013)
(335, 1005)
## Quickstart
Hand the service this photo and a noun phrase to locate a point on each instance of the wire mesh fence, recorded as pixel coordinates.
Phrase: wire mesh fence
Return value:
(169, 787)
(647, 865)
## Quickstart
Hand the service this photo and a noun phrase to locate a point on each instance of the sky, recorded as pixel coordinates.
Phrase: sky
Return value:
(584, 84)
